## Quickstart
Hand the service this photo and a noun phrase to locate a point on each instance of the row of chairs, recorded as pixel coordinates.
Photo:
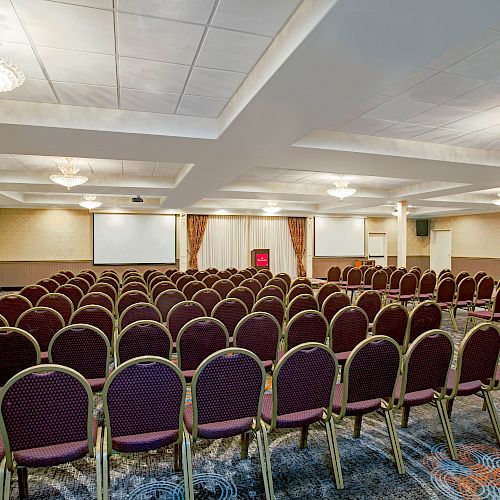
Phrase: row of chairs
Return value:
(144, 402)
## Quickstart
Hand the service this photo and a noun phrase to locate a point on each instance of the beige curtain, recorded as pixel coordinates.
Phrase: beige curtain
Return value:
(196, 227)
(297, 227)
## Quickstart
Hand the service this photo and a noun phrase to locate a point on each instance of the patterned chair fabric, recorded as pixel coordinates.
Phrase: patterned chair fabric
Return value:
(211, 270)
(169, 272)
(176, 275)
(81, 283)
(271, 291)
(427, 286)
(300, 289)
(479, 276)
(91, 272)
(379, 281)
(42, 323)
(223, 287)
(334, 303)
(232, 270)
(394, 280)
(345, 272)
(354, 278)
(272, 305)
(161, 287)
(60, 303)
(445, 292)
(445, 275)
(253, 270)
(286, 278)
(237, 279)
(143, 338)
(267, 272)
(392, 321)
(207, 298)
(19, 350)
(3, 321)
(183, 281)
(147, 272)
(326, 290)
(260, 333)
(200, 275)
(89, 278)
(367, 278)
(137, 312)
(49, 284)
(192, 271)
(348, 328)
(181, 314)
(158, 279)
(33, 293)
(154, 274)
(73, 293)
(69, 274)
(279, 282)
(423, 318)
(407, 289)
(301, 303)
(128, 298)
(60, 278)
(106, 289)
(229, 312)
(371, 302)
(244, 294)
(132, 278)
(109, 281)
(192, 287)
(168, 299)
(97, 316)
(210, 280)
(134, 286)
(224, 274)
(253, 284)
(198, 339)
(334, 274)
(262, 278)
(485, 289)
(246, 273)
(97, 298)
(460, 276)
(306, 326)
(85, 349)
(466, 291)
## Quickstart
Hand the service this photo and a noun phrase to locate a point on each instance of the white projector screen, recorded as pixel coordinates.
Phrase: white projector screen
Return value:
(339, 237)
(134, 239)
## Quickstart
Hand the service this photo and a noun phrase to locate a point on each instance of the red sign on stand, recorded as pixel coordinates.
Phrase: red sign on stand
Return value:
(262, 260)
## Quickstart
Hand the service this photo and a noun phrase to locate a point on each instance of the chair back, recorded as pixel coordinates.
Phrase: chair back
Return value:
(286, 278)
(60, 278)
(230, 312)
(334, 274)
(97, 316)
(427, 284)
(169, 272)
(224, 274)
(445, 275)
(279, 282)
(78, 281)
(301, 303)
(267, 272)
(200, 275)
(182, 313)
(191, 271)
(137, 312)
(334, 303)
(395, 278)
(408, 285)
(198, 339)
(416, 271)
(260, 333)
(300, 289)
(423, 318)
(237, 279)
(99, 299)
(445, 291)
(183, 281)
(348, 328)
(60, 402)
(326, 290)
(272, 305)
(143, 338)
(33, 293)
(345, 272)
(240, 399)
(368, 276)
(105, 288)
(192, 287)
(262, 278)
(211, 270)
(246, 273)
(244, 294)
(271, 291)
(83, 348)
(354, 276)
(60, 303)
(157, 387)
(158, 279)
(12, 306)
(223, 287)
(392, 321)
(379, 280)
(371, 302)
(301, 281)
(479, 276)
(175, 276)
(146, 273)
(151, 276)
(485, 288)
(89, 278)
(108, 280)
(133, 279)
(465, 291)
(161, 287)
(42, 323)
(460, 276)
(134, 286)
(69, 274)
(73, 293)
(208, 298)
(304, 380)
(19, 350)
(306, 326)
(128, 298)
(211, 279)
(49, 284)
(253, 284)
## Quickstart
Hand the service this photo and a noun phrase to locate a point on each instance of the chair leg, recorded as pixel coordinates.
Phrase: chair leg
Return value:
(2, 477)
(267, 454)
(448, 434)
(334, 453)
(98, 464)
(303, 436)
(357, 426)
(449, 407)
(493, 414)
(177, 457)
(245, 441)
(452, 312)
(187, 468)
(22, 480)
(391, 428)
(105, 465)
(6, 485)
(405, 417)
(263, 463)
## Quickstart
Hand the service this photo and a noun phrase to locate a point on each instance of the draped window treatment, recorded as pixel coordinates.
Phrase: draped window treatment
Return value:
(297, 226)
(229, 239)
(197, 225)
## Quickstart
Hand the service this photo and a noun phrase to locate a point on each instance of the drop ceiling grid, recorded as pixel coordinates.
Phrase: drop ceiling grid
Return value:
(92, 58)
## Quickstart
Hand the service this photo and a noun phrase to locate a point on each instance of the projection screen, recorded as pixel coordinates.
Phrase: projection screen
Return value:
(134, 239)
(339, 237)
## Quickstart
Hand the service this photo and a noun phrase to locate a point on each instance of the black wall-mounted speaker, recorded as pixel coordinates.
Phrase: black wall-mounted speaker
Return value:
(422, 227)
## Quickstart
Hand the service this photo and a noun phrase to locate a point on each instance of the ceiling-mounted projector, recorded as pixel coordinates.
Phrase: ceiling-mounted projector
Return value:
(137, 199)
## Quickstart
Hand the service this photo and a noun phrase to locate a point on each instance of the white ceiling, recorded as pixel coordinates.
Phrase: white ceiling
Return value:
(218, 106)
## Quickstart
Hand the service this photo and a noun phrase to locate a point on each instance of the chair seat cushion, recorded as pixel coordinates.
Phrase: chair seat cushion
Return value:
(465, 388)
(144, 442)
(96, 384)
(188, 374)
(394, 296)
(48, 456)
(342, 356)
(406, 297)
(482, 302)
(352, 287)
(444, 305)
(44, 357)
(217, 430)
(415, 398)
(424, 296)
(464, 303)
(357, 408)
(289, 420)
(268, 364)
(367, 287)
(484, 315)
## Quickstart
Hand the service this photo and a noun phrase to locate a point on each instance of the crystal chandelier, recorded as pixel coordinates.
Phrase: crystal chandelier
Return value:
(90, 202)
(341, 190)
(11, 76)
(496, 201)
(272, 207)
(68, 176)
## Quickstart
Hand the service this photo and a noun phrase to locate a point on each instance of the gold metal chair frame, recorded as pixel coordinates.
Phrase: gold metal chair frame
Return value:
(149, 306)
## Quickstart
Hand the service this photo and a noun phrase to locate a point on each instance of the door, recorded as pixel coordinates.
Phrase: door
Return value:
(377, 248)
(440, 249)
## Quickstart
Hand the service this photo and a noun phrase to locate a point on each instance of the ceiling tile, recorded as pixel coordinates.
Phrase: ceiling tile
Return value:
(440, 115)
(442, 87)
(478, 121)
(106, 166)
(495, 130)
(398, 109)
(99, 4)
(481, 141)
(33, 162)
(79, 67)
(92, 96)
(24, 57)
(158, 39)
(143, 100)
(209, 107)
(231, 50)
(256, 16)
(161, 77)
(367, 126)
(410, 81)
(77, 28)
(194, 11)
(464, 50)
(165, 169)
(213, 82)
(403, 131)
(143, 168)
(11, 29)
(365, 106)
(484, 64)
(485, 97)
(31, 90)
(7, 162)
(439, 135)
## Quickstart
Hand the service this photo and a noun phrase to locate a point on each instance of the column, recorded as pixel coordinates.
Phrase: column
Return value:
(402, 223)
(309, 245)
(183, 242)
